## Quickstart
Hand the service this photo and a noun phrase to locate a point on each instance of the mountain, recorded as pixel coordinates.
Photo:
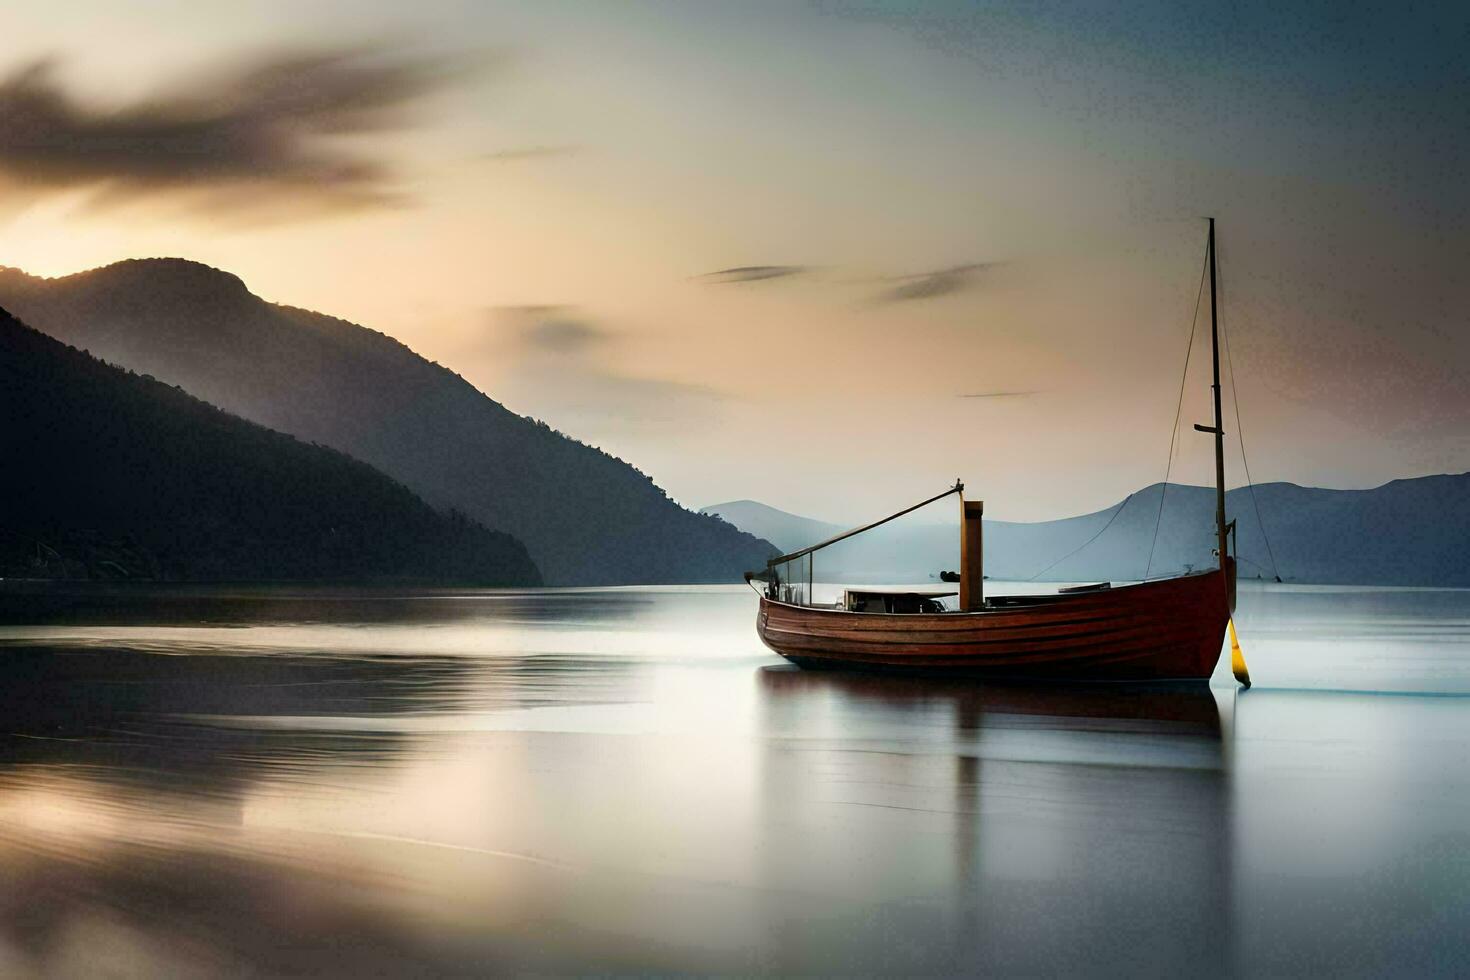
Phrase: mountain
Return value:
(115, 475)
(907, 550)
(586, 517)
(1408, 532)
(787, 532)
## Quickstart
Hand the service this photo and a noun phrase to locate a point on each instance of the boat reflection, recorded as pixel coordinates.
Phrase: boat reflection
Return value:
(1058, 823)
(1179, 709)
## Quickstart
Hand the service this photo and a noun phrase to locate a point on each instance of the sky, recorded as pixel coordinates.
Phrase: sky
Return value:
(829, 256)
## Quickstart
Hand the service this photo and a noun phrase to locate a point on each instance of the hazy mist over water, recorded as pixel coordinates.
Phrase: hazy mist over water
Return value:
(222, 781)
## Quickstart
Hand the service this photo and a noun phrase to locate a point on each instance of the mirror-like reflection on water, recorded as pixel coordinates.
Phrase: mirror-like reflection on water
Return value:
(215, 781)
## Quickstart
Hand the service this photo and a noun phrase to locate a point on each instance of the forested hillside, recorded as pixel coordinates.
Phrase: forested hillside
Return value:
(108, 474)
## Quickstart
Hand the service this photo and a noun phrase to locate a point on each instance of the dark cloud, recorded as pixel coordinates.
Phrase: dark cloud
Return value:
(563, 335)
(559, 364)
(929, 285)
(551, 329)
(264, 133)
(752, 273)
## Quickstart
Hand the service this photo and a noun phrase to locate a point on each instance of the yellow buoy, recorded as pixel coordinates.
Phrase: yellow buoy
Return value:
(1237, 659)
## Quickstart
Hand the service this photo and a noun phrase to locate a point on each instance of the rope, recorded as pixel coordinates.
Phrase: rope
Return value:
(1253, 563)
(1240, 434)
(1085, 543)
(1178, 410)
(784, 559)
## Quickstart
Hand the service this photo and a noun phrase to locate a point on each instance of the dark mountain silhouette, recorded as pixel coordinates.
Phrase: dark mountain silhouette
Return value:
(1408, 532)
(586, 517)
(109, 474)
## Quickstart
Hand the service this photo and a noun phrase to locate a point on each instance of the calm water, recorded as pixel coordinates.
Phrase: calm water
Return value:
(624, 781)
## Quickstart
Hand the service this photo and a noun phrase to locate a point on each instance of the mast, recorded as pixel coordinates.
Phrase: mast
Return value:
(1220, 529)
(1218, 429)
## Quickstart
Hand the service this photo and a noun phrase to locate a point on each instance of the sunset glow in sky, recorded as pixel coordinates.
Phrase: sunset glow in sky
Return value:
(970, 233)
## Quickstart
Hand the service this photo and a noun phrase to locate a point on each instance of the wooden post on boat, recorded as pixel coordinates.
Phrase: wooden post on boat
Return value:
(972, 555)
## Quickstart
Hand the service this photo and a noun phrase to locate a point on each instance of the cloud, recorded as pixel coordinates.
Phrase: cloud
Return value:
(267, 133)
(554, 330)
(752, 273)
(531, 153)
(565, 335)
(558, 364)
(918, 286)
(929, 285)
(528, 312)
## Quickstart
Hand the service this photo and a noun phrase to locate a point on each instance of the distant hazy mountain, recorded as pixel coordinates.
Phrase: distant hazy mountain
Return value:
(787, 532)
(1408, 532)
(113, 475)
(586, 517)
(908, 550)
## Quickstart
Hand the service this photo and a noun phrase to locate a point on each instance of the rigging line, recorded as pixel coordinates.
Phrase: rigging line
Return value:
(1250, 561)
(783, 559)
(1085, 543)
(1245, 463)
(1178, 411)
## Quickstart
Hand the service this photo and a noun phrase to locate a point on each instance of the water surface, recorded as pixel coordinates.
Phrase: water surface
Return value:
(263, 781)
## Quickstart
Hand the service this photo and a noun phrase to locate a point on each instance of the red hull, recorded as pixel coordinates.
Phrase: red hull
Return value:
(1168, 630)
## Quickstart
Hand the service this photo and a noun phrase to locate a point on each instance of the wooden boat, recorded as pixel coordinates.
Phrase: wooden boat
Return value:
(1165, 630)
(1172, 629)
